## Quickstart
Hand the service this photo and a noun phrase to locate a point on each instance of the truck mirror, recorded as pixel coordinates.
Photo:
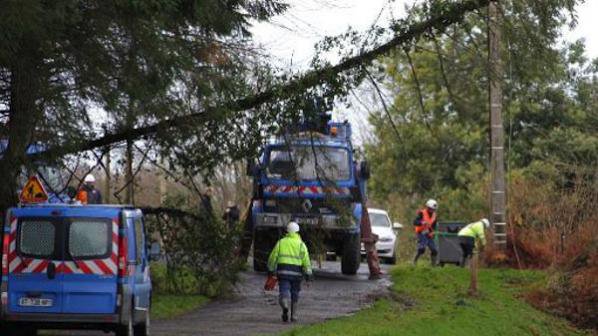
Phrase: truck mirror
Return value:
(397, 226)
(364, 170)
(154, 252)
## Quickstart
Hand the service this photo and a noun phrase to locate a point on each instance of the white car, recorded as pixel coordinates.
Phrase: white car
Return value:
(387, 238)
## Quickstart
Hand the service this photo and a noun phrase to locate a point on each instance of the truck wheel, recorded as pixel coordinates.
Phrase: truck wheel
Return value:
(261, 251)
(126, 330)
(143, 328)
(351, 255)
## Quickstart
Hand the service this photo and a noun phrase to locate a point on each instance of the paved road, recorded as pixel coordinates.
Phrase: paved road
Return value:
(253, 311)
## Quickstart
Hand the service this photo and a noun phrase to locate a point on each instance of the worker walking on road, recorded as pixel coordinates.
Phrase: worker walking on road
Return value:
(425, 224)
(469, 235)
(290, 261)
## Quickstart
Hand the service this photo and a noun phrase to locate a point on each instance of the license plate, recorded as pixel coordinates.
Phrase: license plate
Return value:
(308, 221)
(35, 302)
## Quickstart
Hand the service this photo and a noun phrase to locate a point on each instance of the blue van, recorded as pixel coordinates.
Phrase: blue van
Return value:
(75, 267)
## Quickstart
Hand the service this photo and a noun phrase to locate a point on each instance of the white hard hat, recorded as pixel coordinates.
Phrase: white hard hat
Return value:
(293, 227)
(89, 179)
(486, 223)
(432, 204)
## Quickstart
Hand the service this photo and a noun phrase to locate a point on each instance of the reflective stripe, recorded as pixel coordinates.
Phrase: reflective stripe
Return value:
(291, 256)
(287, 272)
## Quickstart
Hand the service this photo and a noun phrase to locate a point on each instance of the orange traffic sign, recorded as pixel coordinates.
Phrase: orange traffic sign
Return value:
(33, 192)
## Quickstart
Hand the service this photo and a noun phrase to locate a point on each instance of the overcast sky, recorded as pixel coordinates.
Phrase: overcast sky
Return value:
(291, 37)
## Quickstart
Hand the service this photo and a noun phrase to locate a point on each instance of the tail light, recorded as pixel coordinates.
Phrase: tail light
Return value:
(5, 251)
(123, 251)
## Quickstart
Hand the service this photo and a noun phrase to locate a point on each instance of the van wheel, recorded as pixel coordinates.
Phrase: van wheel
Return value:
(143, 328)
(126, 330)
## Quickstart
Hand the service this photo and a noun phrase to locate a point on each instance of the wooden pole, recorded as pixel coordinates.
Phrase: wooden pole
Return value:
(497, 164)
(473, 266)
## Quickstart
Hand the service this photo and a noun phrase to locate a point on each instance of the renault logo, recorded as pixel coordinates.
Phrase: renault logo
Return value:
(307, 205)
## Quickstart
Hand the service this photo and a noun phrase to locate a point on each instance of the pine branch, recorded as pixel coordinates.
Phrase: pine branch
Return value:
(445, 15)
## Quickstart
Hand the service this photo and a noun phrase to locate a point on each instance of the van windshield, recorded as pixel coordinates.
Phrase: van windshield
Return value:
(89, 238)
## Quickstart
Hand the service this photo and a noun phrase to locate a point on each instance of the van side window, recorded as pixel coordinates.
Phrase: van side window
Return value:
(139, 245)
(37, 238)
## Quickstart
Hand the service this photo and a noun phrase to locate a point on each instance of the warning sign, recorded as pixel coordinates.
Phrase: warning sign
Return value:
(33, 192)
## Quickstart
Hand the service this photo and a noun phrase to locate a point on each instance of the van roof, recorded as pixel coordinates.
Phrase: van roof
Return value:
(68, 210)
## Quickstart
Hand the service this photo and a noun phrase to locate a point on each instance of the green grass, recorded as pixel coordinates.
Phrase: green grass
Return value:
(433, 301)
(169, 306)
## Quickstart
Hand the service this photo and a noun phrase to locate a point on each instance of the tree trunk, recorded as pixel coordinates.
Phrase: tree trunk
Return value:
(23, 114)
(129, 174)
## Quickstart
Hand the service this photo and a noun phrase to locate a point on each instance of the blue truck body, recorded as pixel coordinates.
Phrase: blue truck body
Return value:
(310, 177)
(75, 266)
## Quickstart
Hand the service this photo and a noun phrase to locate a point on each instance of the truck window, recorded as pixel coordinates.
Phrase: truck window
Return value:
(89, 238)
(312, 163)
(37, 238)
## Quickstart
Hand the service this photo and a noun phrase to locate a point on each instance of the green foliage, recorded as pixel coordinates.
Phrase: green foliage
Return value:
(438, 146)
(426, 301)
(170, 306)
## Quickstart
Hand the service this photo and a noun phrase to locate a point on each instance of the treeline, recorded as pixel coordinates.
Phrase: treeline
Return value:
(432, 140)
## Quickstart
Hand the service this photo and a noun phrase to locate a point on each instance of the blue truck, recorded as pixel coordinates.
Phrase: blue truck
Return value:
(309, 176)
(75, 267)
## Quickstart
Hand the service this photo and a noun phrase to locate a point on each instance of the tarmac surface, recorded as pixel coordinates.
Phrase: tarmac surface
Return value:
(252, 311)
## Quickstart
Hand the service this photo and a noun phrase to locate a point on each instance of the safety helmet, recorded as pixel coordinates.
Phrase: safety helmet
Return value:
(89, 179)
(230, 204)
(293, 227)
(486, 223)
(432, 204)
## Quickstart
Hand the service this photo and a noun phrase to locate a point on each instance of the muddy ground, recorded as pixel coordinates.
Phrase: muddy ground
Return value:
(252, 311)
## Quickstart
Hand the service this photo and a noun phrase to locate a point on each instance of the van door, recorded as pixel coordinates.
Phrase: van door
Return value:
(142, 278)
(34, 256)
(90, 267)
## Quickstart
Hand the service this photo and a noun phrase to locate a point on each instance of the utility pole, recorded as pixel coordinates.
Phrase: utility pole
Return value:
(497, 162)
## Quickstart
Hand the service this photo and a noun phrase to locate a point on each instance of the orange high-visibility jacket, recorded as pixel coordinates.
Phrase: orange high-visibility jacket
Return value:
(427, 220)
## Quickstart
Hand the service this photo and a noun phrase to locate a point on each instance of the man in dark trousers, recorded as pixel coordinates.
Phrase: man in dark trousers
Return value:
(425, 225)
(231, 215)
(290, 261)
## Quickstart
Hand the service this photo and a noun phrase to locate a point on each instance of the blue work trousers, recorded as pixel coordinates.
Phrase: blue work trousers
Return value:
(423, 241)
(289, 287)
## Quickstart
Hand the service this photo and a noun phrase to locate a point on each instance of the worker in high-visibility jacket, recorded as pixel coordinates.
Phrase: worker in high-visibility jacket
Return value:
(470, 236)
(289, 260)
(425, 225)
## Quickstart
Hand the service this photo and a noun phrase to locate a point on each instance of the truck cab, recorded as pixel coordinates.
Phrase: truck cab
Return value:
(75, 267)
(310, 177)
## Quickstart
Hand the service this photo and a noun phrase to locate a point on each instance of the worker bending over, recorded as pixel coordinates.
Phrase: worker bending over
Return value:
(469, 235)
(290, 261)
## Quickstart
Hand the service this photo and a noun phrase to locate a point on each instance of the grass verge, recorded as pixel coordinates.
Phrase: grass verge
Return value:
(169, 306)
(433, 301)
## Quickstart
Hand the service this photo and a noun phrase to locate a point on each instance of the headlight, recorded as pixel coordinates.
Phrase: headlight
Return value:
(270, 203)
